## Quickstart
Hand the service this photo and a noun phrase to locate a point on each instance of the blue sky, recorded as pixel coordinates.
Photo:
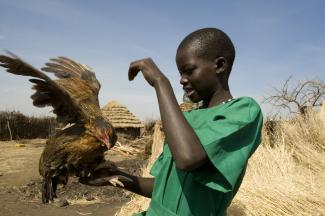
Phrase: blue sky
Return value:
(273, 40)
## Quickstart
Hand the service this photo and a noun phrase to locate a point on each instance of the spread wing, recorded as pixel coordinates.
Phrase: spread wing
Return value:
(73, 96)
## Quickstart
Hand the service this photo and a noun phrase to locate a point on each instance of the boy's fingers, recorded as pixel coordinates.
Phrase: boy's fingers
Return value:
(91, 182)
(132, 73)
(134, 69)
(103, 181)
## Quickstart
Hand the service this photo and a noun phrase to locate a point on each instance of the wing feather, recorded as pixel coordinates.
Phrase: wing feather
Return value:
(73, 96)
(63, 67)
(16, 66)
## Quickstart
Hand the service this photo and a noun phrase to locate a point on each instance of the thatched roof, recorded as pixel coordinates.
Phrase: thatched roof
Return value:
(120, 116)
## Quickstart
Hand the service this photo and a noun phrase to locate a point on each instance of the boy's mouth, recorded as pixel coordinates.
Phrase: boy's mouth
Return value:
(189, 91)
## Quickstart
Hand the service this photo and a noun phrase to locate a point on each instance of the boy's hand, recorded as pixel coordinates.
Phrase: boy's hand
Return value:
(101, 174)
(100, 180)
(105, 174)
(149, 70)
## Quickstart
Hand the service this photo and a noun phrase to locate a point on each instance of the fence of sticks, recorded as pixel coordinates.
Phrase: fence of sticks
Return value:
(14, 125)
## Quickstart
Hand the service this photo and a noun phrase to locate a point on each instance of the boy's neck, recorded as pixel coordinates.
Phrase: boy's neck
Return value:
(218, 98)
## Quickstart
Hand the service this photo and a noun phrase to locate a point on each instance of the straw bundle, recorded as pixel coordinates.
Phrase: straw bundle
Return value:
(140, 203)
(186, 106)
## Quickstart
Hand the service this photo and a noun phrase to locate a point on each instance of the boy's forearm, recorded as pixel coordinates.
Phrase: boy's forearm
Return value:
(140, 185)
(184, 144)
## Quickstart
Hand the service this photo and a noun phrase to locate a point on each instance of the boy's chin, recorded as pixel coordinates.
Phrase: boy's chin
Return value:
(195, 99)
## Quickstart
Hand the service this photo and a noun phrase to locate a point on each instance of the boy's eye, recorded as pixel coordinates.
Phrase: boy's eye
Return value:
(188, 71)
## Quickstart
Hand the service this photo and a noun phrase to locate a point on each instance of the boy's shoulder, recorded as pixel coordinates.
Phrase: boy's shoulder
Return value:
(238, 111)
(249, 102)
(237, 105)
(246, 99)
(245, 108)
(243, 103)
(240, 107)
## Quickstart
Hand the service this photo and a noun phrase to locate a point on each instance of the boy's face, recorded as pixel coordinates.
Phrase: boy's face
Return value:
(198, 75)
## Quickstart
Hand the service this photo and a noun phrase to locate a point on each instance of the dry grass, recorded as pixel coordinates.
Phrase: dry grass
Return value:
(149, 126)
(287, 179)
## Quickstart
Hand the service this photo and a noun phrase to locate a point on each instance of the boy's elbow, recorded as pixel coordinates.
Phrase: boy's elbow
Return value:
(185, 167)
(190, 164)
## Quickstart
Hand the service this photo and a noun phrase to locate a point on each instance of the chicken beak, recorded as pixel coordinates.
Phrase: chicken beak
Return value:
(106, 143)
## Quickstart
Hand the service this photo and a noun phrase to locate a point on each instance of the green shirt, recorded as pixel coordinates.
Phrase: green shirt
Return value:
(229, 133)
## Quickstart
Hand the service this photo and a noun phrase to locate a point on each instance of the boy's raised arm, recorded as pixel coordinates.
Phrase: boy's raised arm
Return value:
(185, 146)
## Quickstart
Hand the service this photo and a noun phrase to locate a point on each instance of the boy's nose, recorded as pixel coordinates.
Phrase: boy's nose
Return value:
(183, 80)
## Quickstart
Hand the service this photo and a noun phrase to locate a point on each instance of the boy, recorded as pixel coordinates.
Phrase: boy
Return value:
(206, 150)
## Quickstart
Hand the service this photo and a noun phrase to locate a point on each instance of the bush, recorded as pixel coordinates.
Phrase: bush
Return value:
(14, 125)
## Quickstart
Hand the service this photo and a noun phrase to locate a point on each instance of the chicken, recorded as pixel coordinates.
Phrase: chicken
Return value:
(78, 149)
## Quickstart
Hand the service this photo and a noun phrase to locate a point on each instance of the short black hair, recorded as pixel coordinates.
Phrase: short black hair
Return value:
(210, 43)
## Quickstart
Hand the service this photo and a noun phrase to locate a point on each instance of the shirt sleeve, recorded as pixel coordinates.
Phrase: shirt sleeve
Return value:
(229, 139)
(156, 167)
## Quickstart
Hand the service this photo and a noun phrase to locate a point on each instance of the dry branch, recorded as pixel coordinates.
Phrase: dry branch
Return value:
(298, 97)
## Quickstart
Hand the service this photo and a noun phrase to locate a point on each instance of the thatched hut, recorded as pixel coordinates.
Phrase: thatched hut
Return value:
(125, 123)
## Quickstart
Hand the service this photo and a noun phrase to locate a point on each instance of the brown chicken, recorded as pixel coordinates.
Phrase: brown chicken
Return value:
(78, 149)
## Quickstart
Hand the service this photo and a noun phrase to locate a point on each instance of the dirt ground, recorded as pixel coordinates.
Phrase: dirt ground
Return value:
(20, 185)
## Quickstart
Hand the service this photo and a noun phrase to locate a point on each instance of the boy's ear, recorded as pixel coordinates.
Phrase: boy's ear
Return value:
(220, 65)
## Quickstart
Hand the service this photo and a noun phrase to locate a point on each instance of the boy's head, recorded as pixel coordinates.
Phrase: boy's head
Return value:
(204, 59)
(209, 43)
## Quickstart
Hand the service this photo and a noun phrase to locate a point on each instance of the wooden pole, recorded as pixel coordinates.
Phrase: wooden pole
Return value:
(8, 125)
